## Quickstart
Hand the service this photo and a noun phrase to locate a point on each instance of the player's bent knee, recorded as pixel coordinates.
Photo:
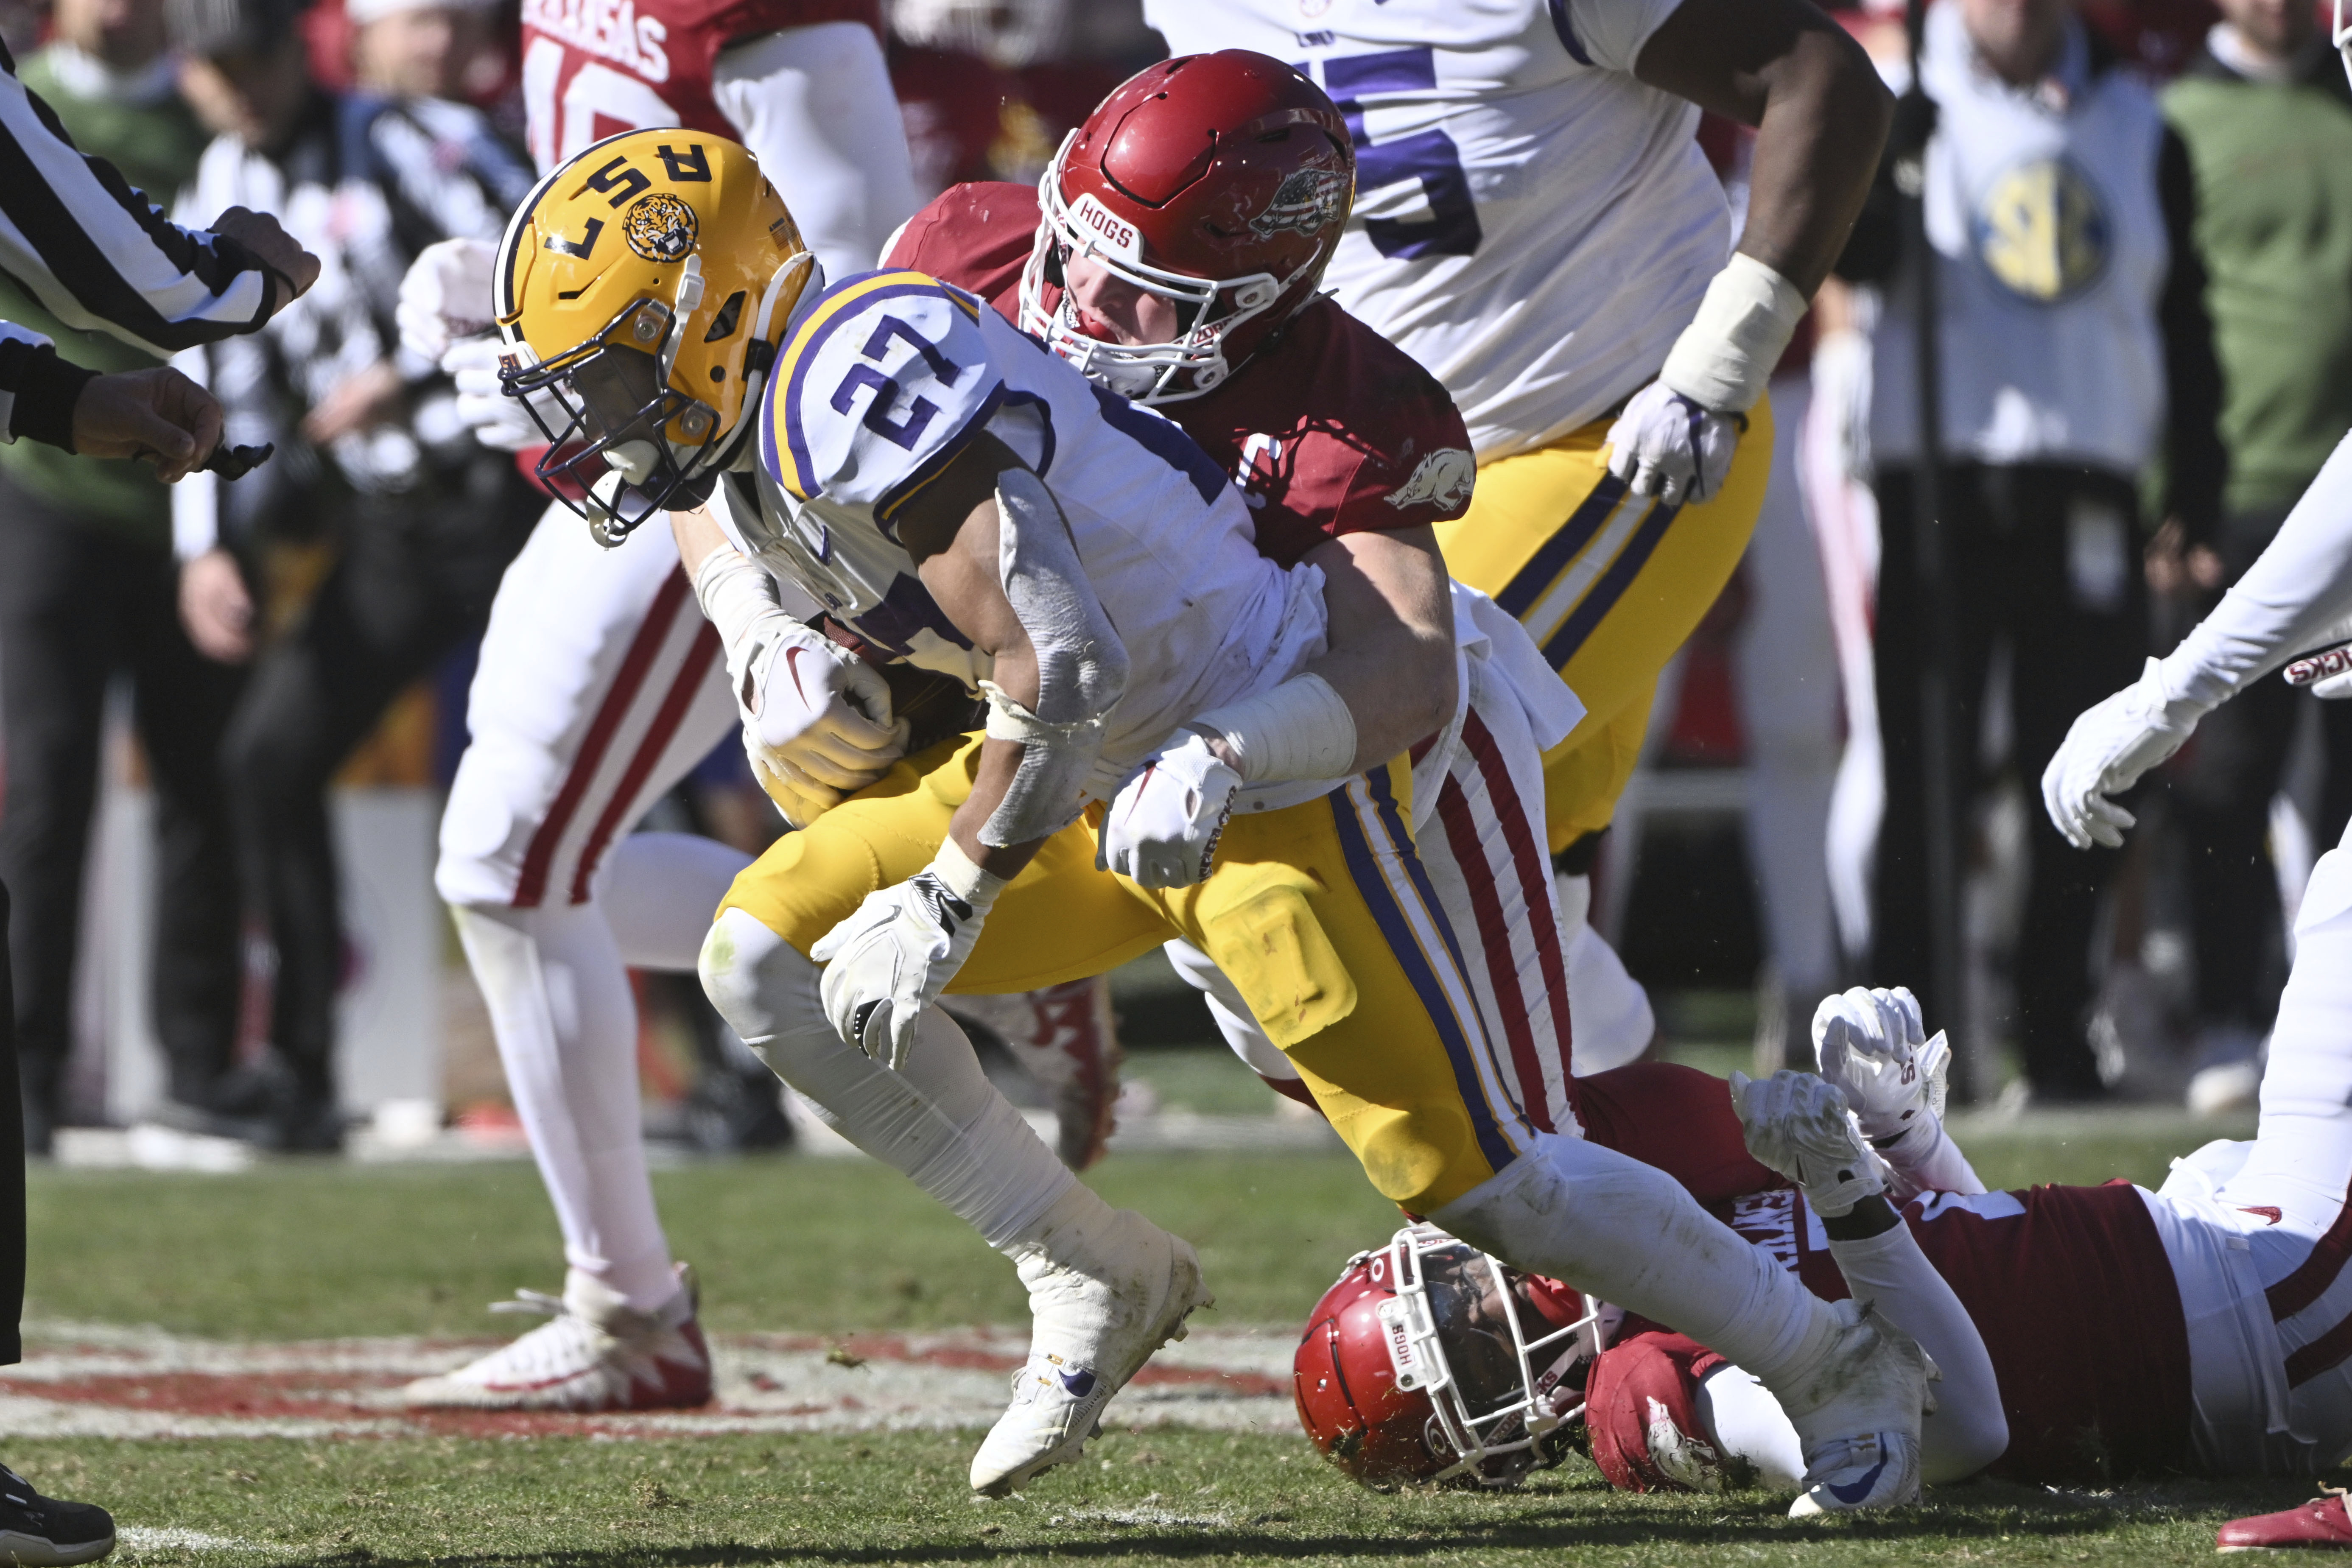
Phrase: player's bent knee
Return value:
(1420, 1159)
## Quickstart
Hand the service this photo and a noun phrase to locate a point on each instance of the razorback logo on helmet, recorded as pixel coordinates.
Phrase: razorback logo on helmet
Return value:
(1306, 200)
(1116, 234)
(660, 226)
(1443, 480)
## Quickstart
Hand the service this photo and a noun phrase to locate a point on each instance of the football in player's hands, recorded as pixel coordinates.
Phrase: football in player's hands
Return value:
(1666, 446)
(1872, 1044)
(1161, 828)
(446, 295)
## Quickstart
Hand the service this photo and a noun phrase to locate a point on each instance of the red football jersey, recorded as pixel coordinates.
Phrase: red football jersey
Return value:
(593, 69)
(1330, 429)
(2072, 1293)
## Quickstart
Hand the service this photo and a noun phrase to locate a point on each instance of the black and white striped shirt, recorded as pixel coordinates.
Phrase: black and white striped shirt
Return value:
(76, 238)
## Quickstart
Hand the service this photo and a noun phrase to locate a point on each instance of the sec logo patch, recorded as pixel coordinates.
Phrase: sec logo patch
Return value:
(660, 226)
(2042, 231)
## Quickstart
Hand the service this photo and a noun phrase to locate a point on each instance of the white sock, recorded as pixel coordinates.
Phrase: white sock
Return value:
(1631, 1235)
(566, 1025)
(1746, 1423)
(937, 1119)
(1607, 1011)
(1967, 1430)
(660, 892)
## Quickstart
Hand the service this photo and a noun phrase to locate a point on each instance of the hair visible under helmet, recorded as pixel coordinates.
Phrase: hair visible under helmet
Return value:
(1219, 182)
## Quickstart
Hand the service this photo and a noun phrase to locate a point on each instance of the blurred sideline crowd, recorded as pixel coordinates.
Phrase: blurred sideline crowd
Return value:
(2107, 469)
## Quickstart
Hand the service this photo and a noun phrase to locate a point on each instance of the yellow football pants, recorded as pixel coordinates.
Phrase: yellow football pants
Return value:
(1320, 914)
(1608, 585)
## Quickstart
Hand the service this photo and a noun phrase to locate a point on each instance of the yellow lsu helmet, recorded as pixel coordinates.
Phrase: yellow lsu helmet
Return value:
(643, 290)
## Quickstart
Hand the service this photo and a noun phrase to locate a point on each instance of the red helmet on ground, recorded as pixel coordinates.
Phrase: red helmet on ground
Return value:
(1430, 1361)
(1219, 183)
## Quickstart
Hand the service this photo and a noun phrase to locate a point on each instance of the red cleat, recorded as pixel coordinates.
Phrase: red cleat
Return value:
(1068, 1039)
(2320, 1522)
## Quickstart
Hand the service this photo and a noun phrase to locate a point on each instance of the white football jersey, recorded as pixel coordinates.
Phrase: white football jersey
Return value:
(1532, 224)
(886, 380)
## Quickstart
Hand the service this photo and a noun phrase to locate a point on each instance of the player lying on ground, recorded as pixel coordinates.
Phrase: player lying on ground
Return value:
(897, 484)
(2085, 1335)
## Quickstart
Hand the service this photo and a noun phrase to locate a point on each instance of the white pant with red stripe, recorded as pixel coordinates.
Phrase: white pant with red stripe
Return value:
(2260, 1234)
(1481, 840)
(601, 686)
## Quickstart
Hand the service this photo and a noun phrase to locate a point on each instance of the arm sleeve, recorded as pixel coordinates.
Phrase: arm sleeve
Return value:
(2196, 464)
(2287, 602)
(98, 256)
(37, 389)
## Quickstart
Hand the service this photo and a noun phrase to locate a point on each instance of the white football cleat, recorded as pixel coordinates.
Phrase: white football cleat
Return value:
(1861, 1441)
(1092, 1328)
(596, 1355)
(1066, 1038)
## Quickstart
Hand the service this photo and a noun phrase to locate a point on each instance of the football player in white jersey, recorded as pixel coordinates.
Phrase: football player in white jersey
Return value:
(600, 686)
(1535, 222)
(954, 496)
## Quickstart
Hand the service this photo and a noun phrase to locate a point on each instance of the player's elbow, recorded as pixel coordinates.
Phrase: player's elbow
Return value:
(1852, 97)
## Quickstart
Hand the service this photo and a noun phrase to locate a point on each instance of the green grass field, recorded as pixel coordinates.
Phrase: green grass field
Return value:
(310, 1251)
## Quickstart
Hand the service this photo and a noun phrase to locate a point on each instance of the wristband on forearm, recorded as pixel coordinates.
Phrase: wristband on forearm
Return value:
(1725, 357)
(961, 875)
(1300, 729)
(739, 600)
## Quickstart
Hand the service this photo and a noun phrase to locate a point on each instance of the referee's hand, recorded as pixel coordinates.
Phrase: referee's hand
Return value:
(155, 413)
(280, 251)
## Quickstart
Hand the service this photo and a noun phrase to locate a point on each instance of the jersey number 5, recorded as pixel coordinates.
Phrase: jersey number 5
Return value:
(1428, 156)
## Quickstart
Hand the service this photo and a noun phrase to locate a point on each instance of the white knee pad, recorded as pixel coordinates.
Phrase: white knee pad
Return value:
(1607, 1007)
(937, 1119)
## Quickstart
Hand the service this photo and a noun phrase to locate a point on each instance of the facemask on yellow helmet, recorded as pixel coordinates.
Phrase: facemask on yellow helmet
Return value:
(643, 290)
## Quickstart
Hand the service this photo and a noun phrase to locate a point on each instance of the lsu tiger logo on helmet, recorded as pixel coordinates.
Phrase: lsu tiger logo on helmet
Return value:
(643, 290)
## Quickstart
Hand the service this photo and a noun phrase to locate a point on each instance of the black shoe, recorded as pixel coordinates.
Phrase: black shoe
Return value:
(41, 1530)
(308, 1126)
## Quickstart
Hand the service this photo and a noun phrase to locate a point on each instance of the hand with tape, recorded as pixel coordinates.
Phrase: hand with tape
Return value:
(897, 951)
(1678, 434)
(1161, 828)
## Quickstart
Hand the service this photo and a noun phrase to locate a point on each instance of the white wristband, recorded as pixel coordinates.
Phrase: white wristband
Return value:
(739, 599)
(959, 874)
(1727, 355)
(1300, 729)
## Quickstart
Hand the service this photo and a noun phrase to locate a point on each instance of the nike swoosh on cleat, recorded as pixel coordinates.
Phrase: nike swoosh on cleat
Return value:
(1078, 1385)
(1860, 1489)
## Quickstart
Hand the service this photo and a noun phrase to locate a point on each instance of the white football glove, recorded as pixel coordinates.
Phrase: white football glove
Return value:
(1872, 1046)
(1161, 828)
(499, 421)
(816, 721)
(446, 296)
(1666, 446)
(1800, 1127)
(891, 958)
(2110, 744)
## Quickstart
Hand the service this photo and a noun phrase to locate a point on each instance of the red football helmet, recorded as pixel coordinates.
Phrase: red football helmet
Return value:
(1219, 183)
(1431, 1361)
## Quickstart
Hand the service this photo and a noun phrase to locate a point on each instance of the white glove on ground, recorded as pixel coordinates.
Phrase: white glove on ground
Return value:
(1666, 446)
(498, 421)
(816, 721)
(1800, 1127)
(446, 296)
(1161, 828)
(2110, 744)
(1872, 1048)
(891, 958)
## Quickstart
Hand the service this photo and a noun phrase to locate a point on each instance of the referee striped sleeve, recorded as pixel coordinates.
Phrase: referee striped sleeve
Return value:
(82, 242)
